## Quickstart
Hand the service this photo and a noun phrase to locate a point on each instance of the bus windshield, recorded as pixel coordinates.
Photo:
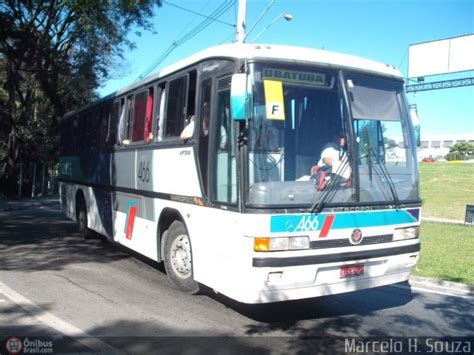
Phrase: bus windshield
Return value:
(301, 143)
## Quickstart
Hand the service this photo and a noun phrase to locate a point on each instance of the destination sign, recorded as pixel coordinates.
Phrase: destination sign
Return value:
(294, 76)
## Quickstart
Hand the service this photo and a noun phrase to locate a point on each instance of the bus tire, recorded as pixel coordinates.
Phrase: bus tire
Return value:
(84, 232)
(178, 258)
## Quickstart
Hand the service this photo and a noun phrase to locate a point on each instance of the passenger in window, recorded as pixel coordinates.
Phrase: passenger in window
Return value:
(159, 129)
(188, 131)
(205, 119)
(223, 136)
(149, 138)
(206, 125)
(223, 139)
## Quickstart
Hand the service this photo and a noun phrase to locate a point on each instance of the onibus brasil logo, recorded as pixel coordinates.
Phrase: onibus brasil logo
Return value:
(15, 346)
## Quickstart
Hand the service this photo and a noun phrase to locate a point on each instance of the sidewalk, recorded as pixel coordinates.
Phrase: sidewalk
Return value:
(26, 203)
(441, 285)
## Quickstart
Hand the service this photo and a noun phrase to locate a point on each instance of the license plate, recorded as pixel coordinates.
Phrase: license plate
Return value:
(351, 271)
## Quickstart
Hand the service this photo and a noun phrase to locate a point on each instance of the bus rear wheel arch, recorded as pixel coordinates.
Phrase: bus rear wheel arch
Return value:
(178, 258)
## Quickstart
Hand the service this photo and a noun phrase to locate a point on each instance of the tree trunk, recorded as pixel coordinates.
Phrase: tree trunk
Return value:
(20, 181)
(13, 144)
(13, 150)
(33, 181)
(43, 180)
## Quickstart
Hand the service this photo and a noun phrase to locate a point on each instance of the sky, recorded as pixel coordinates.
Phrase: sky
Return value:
(380, 30)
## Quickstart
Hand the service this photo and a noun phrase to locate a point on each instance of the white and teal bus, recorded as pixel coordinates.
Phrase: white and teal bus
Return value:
(207, 166)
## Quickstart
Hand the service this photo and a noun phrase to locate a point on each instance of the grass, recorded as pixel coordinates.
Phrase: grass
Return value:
(446, 189)
(447, 252)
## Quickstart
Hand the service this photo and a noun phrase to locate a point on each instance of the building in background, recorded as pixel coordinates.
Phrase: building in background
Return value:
(435, 146)
(438, 145)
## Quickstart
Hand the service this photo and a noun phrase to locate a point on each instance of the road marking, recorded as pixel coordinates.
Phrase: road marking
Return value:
(43, 316)
(438, 292)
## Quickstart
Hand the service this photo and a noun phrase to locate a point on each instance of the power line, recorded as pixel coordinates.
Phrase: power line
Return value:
(199, 14)
(185, 28)
(270, 4)
(403, 59)
(219, 11)
(205, 23)
(227, 38)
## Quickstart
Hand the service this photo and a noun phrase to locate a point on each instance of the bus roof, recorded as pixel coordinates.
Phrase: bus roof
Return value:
(263, 52)
(273, 52)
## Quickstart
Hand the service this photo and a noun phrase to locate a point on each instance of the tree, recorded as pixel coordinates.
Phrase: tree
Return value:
(461, 151)
(53, 55)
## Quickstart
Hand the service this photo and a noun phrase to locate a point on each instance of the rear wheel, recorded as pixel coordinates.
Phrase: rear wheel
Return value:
(178, 258)
(82, 218)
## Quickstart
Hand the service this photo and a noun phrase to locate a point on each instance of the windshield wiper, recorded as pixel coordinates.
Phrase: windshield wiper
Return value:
(330, 189)
(380, 168)
(369, 148)
(384, 171)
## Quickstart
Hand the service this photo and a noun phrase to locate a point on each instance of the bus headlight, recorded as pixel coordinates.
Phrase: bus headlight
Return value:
(298, 243)
(280, 243)
(406, 233)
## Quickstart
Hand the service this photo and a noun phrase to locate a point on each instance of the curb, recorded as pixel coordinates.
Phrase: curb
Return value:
(441, 285)
(446, 221)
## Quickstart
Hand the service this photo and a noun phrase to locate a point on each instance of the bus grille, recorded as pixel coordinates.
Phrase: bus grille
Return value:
(339, 243)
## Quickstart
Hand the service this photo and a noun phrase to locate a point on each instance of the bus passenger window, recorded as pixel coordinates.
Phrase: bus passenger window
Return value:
(104, 125)
(148, 134)
(80, 133)
(96, 118)
(176, 107)
(125, 122)
(190, 107)
(161, 112)
(139, 112)
(114, 120)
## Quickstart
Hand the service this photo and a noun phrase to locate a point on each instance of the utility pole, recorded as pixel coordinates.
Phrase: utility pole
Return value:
(240, 37)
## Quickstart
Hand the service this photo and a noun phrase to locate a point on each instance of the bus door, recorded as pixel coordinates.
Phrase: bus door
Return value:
(216, 150)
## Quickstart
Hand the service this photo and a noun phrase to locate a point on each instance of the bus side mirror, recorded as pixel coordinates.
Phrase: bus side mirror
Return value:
(239, 97)
(415, 120)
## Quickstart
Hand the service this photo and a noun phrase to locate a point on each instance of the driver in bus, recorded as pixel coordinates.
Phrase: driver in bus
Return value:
(333, 162)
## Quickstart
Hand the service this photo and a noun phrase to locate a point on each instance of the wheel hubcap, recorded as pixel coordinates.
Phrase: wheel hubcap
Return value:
(181, 256)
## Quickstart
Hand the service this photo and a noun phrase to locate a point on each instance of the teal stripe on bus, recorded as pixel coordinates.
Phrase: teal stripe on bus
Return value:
(308, 223)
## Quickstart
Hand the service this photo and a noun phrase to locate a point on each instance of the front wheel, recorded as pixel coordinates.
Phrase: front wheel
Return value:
(178, 258)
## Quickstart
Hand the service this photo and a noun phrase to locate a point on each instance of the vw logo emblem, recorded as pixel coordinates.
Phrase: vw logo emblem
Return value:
(356, 237)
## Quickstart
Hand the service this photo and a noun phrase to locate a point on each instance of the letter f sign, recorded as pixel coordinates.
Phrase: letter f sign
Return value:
(275, 111)
(274, 100)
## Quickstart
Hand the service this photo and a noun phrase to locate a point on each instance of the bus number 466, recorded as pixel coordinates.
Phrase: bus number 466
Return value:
(144, 171)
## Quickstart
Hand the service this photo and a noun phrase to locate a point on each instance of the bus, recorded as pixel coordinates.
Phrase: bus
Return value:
(211, 166)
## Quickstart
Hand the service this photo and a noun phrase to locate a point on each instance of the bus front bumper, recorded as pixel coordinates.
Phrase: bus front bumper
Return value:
(276, 279)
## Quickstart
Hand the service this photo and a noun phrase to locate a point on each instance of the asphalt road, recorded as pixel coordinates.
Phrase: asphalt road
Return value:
(96, 296)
